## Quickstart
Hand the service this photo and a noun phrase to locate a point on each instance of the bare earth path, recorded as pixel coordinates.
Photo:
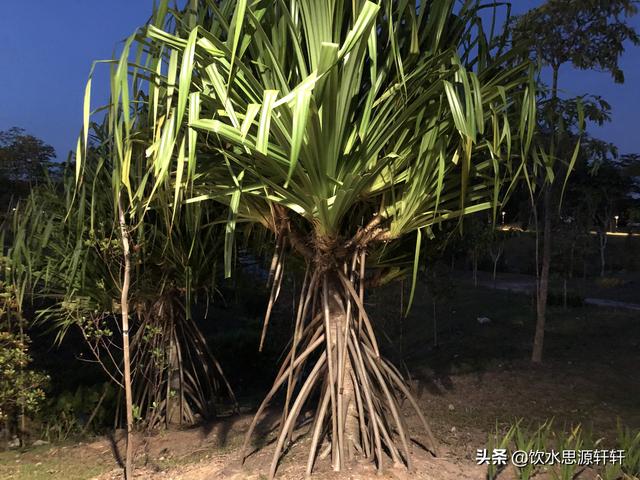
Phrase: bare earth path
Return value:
(527, 284)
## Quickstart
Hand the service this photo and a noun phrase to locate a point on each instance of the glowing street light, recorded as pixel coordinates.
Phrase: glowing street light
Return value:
(616, 219)
(503, 214)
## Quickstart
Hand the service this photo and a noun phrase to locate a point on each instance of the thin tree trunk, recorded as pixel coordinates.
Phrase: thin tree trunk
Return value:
(543, 290)
(435, 325)
(124, 306)
(22, 429)
(496, 258)
(475, 268)
(543, 283)
(572, 258)
(402, 317)
(603, 246)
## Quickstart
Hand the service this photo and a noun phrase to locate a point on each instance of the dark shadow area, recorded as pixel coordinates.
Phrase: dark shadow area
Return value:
(117, 455)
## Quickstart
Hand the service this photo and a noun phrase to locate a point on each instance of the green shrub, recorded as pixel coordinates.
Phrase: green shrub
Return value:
(574, 440)
(21, 389)
(573, 299)
(502, 441)
(629, 468)
(73, 413)
(544, 439)
(630, 443)
(528, 440)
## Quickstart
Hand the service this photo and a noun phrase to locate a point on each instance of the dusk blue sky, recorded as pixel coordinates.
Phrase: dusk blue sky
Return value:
(47, 47)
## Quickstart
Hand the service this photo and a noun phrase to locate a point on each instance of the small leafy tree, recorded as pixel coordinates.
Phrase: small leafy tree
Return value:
(78, 260)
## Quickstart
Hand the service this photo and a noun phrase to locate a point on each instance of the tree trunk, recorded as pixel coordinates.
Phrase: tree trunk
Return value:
(124, 308)
(346, 394)
(495, 271)
(175, 413)
(543, 282)
(603, 246)
(543, 287)
(401, 320)
(22, 429)
(475, 268)
(496, 258)
(435, 325)
(572, 258)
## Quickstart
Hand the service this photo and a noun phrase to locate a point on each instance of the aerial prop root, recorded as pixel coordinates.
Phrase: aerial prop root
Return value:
(189, 378)
(356, 390)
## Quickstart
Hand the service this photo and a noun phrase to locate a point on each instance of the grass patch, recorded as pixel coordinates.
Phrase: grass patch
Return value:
(52, 463)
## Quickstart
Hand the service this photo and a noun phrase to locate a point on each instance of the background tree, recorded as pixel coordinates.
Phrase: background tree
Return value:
(586, 35)
(25, 161)
(478, 236)
(602, 191)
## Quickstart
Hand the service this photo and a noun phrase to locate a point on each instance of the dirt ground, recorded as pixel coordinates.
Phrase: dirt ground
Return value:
(475, 380)
(462, 409)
